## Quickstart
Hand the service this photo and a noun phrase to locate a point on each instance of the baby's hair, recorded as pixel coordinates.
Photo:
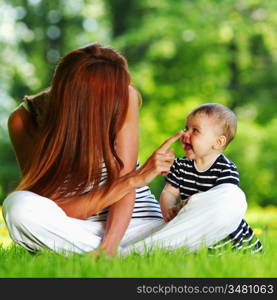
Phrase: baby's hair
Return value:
(220, 113)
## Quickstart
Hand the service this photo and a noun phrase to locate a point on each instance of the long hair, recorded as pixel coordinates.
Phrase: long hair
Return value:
(88, 103)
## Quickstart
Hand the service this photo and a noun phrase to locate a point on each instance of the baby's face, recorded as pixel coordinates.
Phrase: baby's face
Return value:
(201, 135)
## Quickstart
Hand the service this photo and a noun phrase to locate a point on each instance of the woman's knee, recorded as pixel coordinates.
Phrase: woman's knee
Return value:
(225, 204)
(235, 200)
(22, 207)
(225, 196)
(18, 207)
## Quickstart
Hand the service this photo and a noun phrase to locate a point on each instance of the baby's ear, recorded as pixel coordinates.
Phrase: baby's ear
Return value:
(220, 142)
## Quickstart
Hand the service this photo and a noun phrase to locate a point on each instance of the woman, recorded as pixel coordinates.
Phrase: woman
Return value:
(77, 147)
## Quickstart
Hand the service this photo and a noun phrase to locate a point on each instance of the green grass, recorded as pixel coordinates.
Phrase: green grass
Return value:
(17, 262)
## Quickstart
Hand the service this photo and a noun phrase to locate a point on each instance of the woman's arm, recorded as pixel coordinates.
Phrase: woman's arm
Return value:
(158, 163)
(127, 142)
(22, 134)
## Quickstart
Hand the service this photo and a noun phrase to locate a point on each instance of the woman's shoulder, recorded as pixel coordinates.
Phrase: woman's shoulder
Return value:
(36, 105)
(20, 121)
(18, 115)
(29, 114)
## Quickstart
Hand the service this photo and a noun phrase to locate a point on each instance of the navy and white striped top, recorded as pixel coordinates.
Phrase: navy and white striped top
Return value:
(146, 205)
(184, 175)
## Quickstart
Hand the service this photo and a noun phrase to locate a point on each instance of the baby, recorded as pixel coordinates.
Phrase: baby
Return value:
(209, 129)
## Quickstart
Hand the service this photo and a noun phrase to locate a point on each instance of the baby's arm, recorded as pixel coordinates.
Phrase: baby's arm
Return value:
(168, 200)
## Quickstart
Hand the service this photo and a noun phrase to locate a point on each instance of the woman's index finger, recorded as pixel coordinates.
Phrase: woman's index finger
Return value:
(170, 141)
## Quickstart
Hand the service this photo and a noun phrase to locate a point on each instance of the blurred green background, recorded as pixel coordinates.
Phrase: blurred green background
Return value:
(181, 53)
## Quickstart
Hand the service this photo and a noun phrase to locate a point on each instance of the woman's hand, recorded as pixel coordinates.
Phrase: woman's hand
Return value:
(158, 163)
(100, 252)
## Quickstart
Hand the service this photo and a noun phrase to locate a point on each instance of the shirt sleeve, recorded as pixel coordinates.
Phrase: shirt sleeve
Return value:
(173, 177)
(229, 174)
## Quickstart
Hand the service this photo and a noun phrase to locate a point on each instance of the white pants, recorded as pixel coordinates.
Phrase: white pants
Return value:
(35, 222)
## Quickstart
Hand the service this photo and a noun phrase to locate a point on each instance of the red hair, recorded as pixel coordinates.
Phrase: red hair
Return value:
(88, 103)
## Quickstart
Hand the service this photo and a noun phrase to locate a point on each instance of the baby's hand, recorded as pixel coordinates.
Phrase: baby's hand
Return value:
(172, 212)
(169, 215)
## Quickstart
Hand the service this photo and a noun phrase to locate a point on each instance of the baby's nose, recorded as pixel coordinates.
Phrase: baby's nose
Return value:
(187, 137)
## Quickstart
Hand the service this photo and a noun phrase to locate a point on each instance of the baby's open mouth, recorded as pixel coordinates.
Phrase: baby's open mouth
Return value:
(188, 146)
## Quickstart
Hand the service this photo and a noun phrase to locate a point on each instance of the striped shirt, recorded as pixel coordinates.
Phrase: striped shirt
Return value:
(146, 205)
(184, 175)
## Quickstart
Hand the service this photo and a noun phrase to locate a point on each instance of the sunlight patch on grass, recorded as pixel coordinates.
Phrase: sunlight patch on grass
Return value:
(263, 219)
(5, 239)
